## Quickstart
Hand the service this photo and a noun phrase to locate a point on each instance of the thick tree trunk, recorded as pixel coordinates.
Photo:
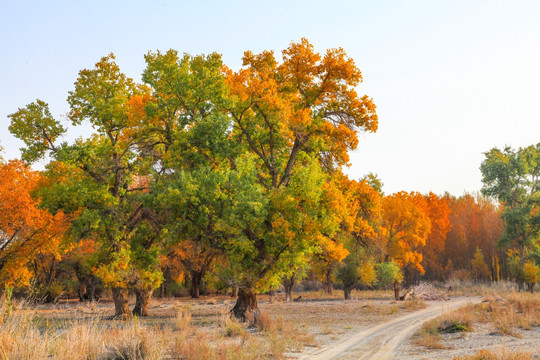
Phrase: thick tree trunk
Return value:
(121, 303)
(288, 284)
(234, 292)
(397, 289)
(142, 298)
(245, 303)
(347, 289)
(196, 281)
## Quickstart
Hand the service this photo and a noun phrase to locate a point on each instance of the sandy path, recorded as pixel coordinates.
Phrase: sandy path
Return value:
(382, 341)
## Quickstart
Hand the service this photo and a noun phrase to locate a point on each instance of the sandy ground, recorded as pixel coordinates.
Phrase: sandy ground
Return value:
(384, 341)
(483, 337)
(372, 326)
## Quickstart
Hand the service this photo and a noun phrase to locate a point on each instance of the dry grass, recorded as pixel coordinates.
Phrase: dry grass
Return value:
(413, 305)
(507, 315)
(489, 355)
(429, 335)
(472, 288)
(26, 334)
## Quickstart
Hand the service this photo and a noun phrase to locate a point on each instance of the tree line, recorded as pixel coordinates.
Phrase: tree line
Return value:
(201, 174)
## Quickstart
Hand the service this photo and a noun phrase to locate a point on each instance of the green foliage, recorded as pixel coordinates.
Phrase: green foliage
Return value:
(37, 128)
(512, 177)
(204, 160)
(388, 273)
(374, 181)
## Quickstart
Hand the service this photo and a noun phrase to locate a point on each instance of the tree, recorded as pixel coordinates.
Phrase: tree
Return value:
(512, 177)
(25, 228)
(389, 273)
(360, 228)
(189, 138)
(96, 177)
(475, 223)
(479, 268)
(405, 227)
(525, 272)
(356, 269)
(296, 119)
(432, 252)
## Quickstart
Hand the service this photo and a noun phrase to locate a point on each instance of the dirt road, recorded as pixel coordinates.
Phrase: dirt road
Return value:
(383, 341)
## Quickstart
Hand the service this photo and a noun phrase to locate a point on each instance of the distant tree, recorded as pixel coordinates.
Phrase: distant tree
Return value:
(433, 252)
(389, 273)
(479, 268)
(512, 176)
(405, 228)
(475, 223)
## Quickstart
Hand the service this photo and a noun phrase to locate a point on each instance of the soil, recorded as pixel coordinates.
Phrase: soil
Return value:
(384, 341)
(483, 337)
(391, 339)
(364, 328)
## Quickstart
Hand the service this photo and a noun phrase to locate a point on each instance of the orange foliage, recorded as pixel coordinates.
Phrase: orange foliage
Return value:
(439, 214)
(25, 229)
(364, 209)
(476, 223)
(406, 226)
(306, 97)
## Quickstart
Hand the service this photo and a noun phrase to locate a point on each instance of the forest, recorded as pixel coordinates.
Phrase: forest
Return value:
(200, 179)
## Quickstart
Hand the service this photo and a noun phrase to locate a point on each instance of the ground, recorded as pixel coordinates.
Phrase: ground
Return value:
(371, 325)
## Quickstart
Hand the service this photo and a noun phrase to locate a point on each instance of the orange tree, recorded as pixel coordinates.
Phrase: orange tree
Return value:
(25, 228)
(295, 121)
(433, 252)
(405, 228)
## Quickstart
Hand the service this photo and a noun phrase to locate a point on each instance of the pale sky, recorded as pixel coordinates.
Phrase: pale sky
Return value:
(451, 79)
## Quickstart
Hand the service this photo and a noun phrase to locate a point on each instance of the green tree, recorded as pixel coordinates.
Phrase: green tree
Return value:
(190, 138)
(100, 179)
(512, 177)
(389, 273)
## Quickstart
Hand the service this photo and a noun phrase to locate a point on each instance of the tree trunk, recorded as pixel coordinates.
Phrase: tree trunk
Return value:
(92, 295)
(347, 289)
(234, 292)
(83, 293)
(397, 288)
(288, 284)
(121, 303)
(329, 286)
(530, 287)
(142, 298)
(245, 303)
(196, 281)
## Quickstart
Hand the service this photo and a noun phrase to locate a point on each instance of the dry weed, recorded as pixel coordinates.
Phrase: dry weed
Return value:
(489, 355)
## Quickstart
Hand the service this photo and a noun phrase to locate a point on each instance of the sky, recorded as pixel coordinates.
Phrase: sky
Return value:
(451, 79)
